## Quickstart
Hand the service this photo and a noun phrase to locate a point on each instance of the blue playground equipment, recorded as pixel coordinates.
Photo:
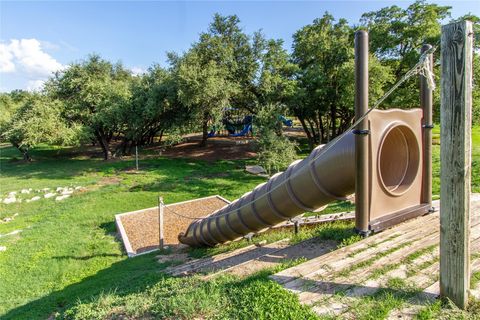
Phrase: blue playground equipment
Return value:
(246, 129)
(287, 122)
(238, 126)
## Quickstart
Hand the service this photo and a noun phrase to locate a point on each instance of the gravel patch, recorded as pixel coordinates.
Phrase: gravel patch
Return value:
(142, 227)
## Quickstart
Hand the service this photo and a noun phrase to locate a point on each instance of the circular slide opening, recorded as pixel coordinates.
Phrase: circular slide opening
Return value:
(399, 159)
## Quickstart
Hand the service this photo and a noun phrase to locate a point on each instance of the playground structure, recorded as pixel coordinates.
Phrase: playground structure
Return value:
(396, 182)
(239, 125)
(385, 161)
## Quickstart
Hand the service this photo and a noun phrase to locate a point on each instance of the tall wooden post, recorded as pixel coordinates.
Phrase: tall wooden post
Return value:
(455, 156)
(361, 138)
(160, 223)
(426, 102)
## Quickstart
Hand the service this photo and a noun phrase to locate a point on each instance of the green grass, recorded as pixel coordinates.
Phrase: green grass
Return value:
(67, 250)
(225, 297)
(475, 161)
(366, 263)
(382, 302)
(67, 259)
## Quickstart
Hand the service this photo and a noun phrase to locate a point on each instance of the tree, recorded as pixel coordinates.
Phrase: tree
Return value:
(323, 101)
(203, 87)
(208, 74)
(155, 107)
(9, 103)
(93, 91)
(396, 37)
(37, 120)
(276, 84)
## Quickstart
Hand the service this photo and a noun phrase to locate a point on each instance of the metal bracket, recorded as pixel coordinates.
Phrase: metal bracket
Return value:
(428, 126)
(249, 236)
(296, 225)
(356, 131)
(432, 210)
(363, 234)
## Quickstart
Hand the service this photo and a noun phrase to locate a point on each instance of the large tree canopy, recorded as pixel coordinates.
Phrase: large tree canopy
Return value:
(396, 37)
(93, 91)
(152, 108)
(37, 120)
(227, 67)
(324, 53)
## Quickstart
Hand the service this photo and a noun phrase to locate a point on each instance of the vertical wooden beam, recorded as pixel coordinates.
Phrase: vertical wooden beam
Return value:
(426, 103)
(455, 156)
(160, 223)
(362, 174)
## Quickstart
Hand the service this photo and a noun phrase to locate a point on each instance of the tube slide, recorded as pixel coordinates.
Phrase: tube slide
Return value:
(329, 177)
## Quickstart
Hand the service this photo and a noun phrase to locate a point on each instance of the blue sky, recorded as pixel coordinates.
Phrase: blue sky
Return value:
(39, 37)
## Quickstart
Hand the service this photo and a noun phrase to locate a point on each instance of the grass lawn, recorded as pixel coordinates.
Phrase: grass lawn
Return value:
(67, 250)
(67, 262)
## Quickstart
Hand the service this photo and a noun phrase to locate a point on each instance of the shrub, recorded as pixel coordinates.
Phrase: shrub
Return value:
(275, 151)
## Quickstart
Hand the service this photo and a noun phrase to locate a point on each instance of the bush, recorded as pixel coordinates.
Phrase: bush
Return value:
(275, 151)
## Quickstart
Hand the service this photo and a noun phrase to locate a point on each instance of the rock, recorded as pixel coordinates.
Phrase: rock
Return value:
(2, 248)
(8, 219)
(14, 232)
(78, 187)
(9, 200)
(255, 169)
(35, 198)
(12, 193)
(60, 198)
(67, 192)
(45, 189)
(59, 189)
(25, 191)
(49, 195)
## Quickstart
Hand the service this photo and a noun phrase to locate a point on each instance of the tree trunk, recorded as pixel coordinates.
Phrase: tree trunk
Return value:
(314, 131)
(333, 117)
(321, 130)
(102, 140)
(130, 148)
(26, 155)
(311, 142)
(160, 137)
(23, 151)
(203, 143)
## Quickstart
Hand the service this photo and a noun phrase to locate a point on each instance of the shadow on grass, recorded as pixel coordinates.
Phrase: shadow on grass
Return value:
(103, 255)
(125, 277)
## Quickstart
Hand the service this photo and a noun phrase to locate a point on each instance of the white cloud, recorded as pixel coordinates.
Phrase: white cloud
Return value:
(27, 58)
(32, 59)
(6, 59)
(136, 71)
(35, 85)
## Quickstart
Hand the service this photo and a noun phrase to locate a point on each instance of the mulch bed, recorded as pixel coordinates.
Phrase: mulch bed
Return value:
(211, 152)
(142, 227)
